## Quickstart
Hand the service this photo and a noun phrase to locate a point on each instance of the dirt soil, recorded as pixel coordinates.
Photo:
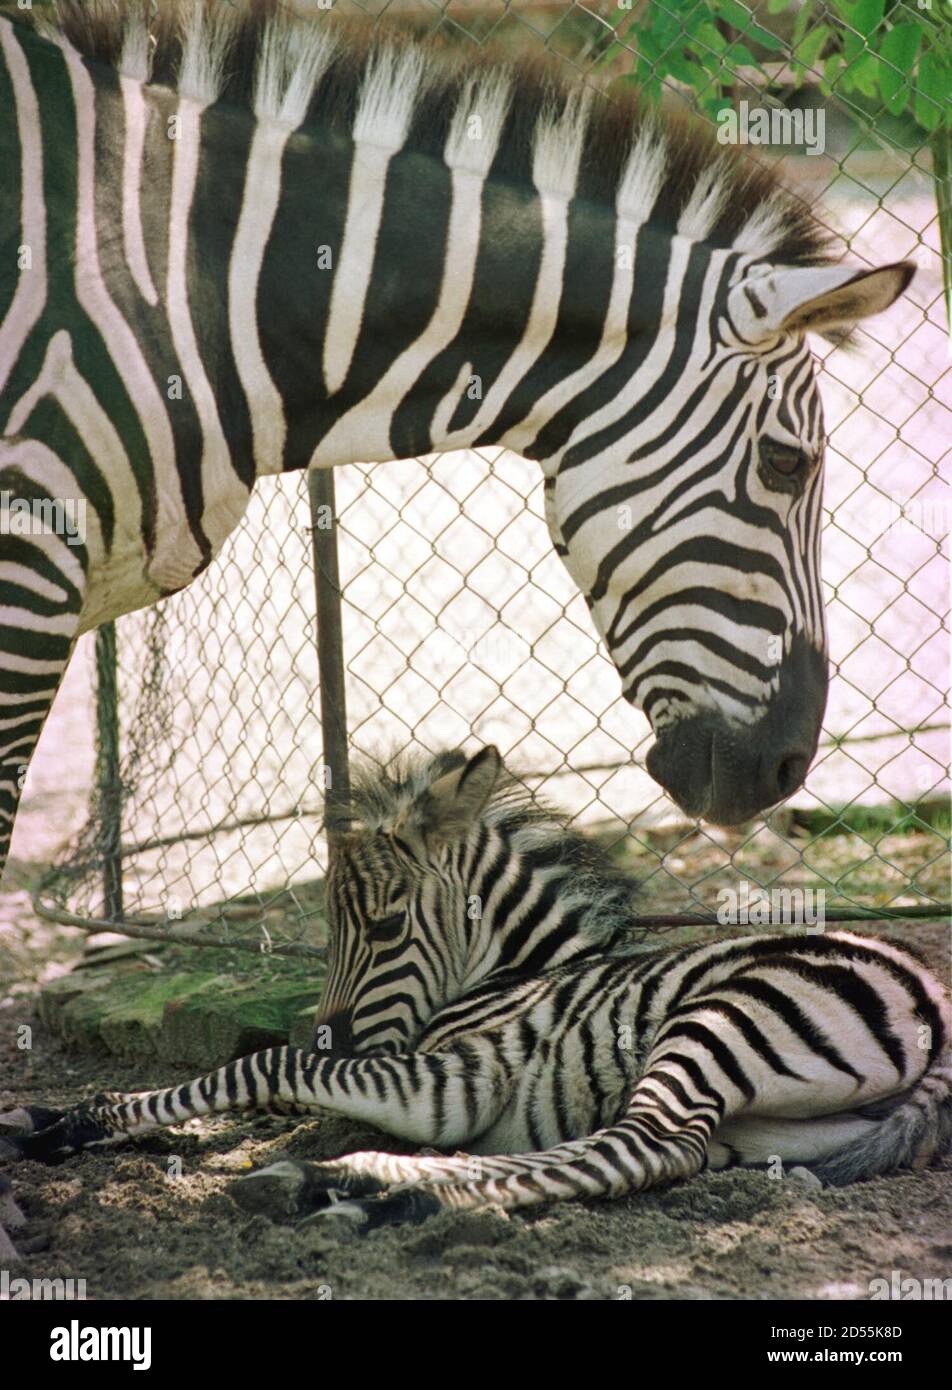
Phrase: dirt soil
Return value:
(133, 1226)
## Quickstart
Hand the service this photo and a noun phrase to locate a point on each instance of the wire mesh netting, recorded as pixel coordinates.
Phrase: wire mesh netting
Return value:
(460, 625)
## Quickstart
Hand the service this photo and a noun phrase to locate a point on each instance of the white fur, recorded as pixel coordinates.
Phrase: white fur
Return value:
(481, 108)
(392, 85)
(705, 205)
(207, 36)
(29, 298)
(296, 53)
(558, 143)
(292, 60)
(136, 59)
(643, 175)
(764, 229)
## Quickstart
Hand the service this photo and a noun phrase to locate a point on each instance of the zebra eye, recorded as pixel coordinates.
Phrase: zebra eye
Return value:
(386, 928)
(786, 459)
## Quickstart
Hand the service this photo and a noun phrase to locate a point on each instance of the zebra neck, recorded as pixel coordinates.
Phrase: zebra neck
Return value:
(353, 300)
(365, 304)
(532, 914)
(405, 307)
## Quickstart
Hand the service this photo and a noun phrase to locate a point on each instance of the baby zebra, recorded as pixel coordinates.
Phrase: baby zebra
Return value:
(488, 988)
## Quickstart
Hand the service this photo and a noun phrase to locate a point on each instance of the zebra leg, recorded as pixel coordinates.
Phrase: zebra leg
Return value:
(655, 1142)
(643, 1149)
(663, 1136)
(42, 587)
(441, 1098)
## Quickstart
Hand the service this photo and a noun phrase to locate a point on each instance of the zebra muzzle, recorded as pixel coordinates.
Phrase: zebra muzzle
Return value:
(726, 772)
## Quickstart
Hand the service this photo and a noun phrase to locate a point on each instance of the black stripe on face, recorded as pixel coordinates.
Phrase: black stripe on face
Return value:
(681, 347)
(633, 488)
(714, 601)
(712, 551)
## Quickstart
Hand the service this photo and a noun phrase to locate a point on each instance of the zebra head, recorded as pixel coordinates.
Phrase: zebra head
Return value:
(397, 903)
(693, 528)
(450, 873)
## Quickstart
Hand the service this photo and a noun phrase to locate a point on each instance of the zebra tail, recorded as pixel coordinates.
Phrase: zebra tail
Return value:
(916, 1133)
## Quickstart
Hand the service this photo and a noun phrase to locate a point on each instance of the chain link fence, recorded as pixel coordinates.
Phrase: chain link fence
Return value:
(452, 622)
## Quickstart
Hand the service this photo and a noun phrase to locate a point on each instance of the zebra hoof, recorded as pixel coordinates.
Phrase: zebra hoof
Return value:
(408, 1207)
(28, 1119)
(283, 1189)
(50, 1146)
(292, 1187)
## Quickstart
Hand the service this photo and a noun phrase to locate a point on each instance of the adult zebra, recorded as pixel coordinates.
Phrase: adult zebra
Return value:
(236, 244)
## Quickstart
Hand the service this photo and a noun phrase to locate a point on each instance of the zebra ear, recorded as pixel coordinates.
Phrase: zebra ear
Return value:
(813, 299)
(454, 800)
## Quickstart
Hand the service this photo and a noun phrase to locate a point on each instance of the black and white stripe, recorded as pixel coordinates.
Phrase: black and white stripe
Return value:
(487, 990)
(237, 244)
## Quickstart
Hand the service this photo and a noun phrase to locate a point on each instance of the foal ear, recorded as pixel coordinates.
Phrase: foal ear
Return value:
(454, 800)
(814, 299)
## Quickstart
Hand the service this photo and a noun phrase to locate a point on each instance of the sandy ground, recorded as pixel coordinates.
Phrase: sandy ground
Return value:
(153, 1220)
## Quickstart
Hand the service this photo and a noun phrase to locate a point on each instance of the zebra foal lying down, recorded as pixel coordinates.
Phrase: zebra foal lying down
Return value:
(487, 989)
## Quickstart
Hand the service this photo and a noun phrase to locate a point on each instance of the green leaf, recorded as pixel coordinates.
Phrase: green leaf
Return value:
(666, 26)
(864, 16)
(927, 114)
(739, 55)
(933, 81)
(707, 35)
(809, 50)
(853, 46)
(802, 22)
(777, 6)
(648, 45)
(713, 106)
(897, 50)
(900, 46)
(865, 74)
(766, 39)
(686, 71)
(733, 13)
(832, 69)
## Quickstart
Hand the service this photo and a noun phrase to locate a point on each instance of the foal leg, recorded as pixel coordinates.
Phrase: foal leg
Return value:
(662, 1136)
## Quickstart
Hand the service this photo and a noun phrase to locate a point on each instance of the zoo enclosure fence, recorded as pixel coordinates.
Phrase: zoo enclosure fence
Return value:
(420, 603)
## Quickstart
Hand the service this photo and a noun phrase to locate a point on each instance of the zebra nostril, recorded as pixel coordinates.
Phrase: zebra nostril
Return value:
(788, 774)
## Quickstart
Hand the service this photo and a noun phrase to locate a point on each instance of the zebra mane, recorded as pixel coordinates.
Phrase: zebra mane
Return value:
(388, 85)
(601, 894)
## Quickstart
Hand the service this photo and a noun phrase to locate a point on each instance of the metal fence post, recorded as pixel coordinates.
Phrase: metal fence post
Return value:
(330, 644)
(108, 777)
